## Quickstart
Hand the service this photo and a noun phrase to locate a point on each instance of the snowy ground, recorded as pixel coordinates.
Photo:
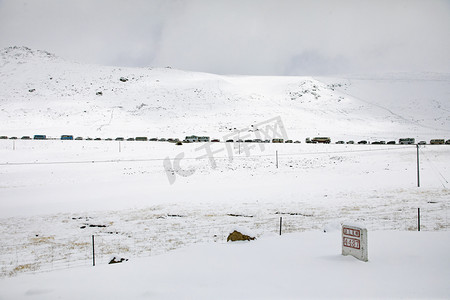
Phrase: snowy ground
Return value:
(168, 209)
(57, 194)
(402, 265)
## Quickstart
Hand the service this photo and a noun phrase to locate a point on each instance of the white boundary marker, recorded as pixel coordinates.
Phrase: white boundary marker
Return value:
(354, 242)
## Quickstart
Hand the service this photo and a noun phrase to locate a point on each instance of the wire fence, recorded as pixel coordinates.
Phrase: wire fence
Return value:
(158, 234)
(136, 234)
(244, 156)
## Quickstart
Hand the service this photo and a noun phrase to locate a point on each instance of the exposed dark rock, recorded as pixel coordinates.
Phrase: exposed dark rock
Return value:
(176, 216)
(236, 215)
(116, 260)
(293, 214)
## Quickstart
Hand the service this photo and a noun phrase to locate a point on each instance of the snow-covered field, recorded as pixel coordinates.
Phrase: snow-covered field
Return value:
(168, 209)
(53, 191)
(403, 265)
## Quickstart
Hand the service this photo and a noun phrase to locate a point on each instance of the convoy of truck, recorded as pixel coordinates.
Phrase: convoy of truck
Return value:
(194, 139)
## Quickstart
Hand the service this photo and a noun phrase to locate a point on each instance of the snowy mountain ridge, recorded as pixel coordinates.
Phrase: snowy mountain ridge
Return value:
(41, 93)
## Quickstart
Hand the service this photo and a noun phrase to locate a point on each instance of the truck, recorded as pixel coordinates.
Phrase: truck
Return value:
(437, 142)
(323, 140)
(277, 140)
(406, 141)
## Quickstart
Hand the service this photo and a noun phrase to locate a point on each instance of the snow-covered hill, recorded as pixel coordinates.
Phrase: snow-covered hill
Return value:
(41, 93)
(141, 200)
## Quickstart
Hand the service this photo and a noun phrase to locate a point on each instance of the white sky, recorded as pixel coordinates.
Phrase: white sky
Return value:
(261, 37)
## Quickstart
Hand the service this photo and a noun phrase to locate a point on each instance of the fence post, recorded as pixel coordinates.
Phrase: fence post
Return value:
(418, 219)
(276, 157)
(418, 167)
(281, 219)
(93, 251)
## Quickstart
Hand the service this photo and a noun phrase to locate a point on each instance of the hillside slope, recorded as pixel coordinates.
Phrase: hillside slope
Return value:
(41, 93)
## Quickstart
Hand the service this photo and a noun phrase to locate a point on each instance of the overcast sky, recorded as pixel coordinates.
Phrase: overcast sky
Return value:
(260, 37)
